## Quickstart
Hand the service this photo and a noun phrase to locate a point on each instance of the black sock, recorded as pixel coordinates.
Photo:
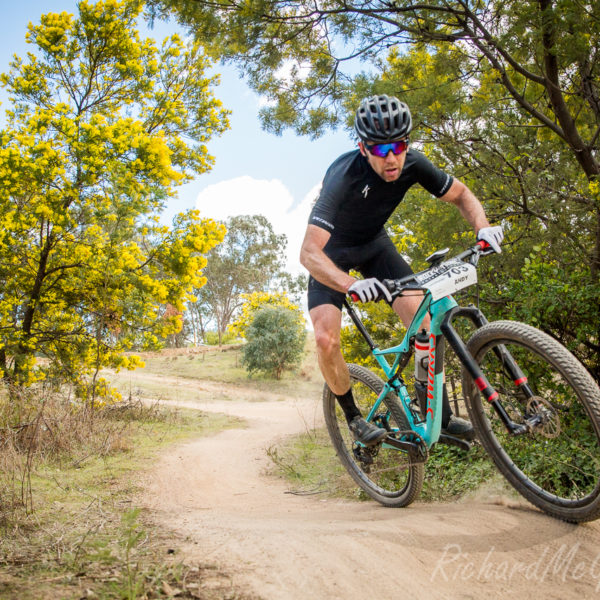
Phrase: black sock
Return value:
(348, 405)
(446, 410)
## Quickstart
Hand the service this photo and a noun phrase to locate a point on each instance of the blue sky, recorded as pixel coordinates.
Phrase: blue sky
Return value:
(254, 173)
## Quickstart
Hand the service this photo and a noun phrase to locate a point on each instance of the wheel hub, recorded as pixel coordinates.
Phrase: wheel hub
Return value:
(548, 425)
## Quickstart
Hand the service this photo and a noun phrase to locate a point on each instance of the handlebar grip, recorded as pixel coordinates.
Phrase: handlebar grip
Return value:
(354, 297)
(483, 244)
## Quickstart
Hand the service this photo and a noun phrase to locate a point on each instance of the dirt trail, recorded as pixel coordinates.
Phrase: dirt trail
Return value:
(213, 492)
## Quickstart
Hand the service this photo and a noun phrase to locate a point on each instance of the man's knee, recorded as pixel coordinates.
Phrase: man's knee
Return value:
(327, 341)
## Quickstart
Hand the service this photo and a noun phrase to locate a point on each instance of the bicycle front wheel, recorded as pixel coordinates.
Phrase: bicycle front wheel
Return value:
(556, 466)
(385, 474)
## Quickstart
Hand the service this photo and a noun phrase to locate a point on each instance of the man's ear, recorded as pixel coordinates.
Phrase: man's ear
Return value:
(361, 147)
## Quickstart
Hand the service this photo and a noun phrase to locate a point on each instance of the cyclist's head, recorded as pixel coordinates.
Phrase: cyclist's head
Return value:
(382, 119)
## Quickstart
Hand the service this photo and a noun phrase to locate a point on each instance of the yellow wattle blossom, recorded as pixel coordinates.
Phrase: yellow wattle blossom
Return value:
(89, 156)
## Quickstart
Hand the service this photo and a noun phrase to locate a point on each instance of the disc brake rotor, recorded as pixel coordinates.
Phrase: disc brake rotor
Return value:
(549, 426)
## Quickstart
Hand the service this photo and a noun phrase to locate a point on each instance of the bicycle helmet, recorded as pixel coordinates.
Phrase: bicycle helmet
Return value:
(382, 119)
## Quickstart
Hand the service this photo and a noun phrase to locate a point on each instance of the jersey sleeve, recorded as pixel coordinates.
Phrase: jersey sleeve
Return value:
(323, 212)
(434, 180)
(333, 191)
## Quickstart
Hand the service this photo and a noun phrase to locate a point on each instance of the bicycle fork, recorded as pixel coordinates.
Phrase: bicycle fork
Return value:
(484, 386)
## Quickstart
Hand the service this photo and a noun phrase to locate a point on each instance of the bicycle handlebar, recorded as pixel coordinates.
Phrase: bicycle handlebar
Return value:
(395, 286)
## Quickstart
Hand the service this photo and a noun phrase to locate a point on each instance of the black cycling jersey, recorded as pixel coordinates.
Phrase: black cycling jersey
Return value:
(355, 202)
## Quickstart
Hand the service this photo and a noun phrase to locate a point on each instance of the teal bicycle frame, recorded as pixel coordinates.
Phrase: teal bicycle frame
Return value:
(429, 429)
(442, 310)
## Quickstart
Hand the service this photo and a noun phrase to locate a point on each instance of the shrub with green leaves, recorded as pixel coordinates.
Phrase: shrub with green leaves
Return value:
(275, 341)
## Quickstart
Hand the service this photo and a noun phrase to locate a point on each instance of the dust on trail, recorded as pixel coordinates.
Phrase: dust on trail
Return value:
(214, 494)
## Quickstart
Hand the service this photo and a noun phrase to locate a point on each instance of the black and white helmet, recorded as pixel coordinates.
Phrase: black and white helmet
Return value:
(382, 119)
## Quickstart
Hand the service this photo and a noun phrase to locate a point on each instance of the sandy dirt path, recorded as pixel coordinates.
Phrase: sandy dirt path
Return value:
(214, 494)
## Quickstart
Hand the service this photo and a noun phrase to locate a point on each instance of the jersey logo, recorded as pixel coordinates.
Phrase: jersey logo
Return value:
(365, 190)
(330, 225)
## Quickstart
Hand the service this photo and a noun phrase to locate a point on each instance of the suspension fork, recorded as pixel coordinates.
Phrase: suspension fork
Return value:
(508, 362)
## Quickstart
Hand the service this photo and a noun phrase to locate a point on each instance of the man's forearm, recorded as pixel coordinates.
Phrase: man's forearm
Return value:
(472, 210)
(322, 268)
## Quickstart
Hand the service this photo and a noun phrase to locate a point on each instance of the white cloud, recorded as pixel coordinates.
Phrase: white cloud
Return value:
(248, 196)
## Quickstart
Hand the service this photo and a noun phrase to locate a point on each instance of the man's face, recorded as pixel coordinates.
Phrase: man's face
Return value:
(389, 167)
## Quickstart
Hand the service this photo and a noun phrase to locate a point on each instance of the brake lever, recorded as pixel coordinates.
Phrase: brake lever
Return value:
(474, 258)
(482, 248)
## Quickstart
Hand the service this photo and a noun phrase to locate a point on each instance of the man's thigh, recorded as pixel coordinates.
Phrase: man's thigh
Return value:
(406, 308)
(384, 261)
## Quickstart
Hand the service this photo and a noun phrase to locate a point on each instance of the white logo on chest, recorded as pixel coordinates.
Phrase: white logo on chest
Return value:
(365, 191)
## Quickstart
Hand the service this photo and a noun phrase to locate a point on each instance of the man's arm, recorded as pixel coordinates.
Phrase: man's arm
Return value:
(468, 205)
(318, 264)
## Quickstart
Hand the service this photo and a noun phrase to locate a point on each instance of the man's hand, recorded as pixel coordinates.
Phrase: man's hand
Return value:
(493, 236)
(370, 289)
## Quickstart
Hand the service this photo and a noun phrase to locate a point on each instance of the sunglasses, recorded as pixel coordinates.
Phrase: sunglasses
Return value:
(382, 150)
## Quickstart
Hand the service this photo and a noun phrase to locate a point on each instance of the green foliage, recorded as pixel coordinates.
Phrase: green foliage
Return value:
(526, 181)
(384, 327)
(561, 298)
(103, 126)
(275, 341)
(308, 461)
(257, 301)
(212, 338)
(250, 258)
(132, 535)
(542, 55)
(516, 117)
(452, 473)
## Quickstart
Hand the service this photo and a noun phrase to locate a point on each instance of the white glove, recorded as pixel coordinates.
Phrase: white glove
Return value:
(370, 289)
(493, 236)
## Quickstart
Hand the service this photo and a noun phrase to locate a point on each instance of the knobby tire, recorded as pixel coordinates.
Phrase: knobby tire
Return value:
(556, 466)
(390, 478)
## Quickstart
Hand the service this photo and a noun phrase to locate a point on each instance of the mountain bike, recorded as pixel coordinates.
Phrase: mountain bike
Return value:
(534, 407)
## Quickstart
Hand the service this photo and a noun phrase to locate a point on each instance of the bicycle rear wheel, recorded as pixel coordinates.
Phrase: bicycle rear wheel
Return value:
(556, 466)
(385, 474)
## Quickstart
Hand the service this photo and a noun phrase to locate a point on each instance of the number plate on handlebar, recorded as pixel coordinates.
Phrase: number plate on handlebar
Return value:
(447, 278)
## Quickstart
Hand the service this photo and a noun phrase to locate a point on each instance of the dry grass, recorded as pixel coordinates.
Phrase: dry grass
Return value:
(220, 366)
(40, 426)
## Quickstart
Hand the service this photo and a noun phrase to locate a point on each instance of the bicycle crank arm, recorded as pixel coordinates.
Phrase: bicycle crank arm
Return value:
(415, 451)
(450, 440)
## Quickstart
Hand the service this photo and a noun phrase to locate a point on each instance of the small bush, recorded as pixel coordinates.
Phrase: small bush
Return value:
(275, 341)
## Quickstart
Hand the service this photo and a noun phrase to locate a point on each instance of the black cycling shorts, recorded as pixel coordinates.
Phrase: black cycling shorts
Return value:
(377, 258)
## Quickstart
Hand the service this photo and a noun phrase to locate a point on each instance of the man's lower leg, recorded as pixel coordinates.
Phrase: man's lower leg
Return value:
(453, 425)
(346, 401)
(363, 431)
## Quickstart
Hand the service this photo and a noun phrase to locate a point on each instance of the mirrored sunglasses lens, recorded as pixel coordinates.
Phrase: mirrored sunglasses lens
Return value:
(382, 150)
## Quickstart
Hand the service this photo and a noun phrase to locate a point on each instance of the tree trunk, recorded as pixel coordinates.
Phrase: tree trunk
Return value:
(31, 306)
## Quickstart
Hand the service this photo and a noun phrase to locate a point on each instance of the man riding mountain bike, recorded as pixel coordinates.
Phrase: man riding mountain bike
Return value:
(360, 191)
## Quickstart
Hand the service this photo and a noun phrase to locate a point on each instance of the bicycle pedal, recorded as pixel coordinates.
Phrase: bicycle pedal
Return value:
(450, 440)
